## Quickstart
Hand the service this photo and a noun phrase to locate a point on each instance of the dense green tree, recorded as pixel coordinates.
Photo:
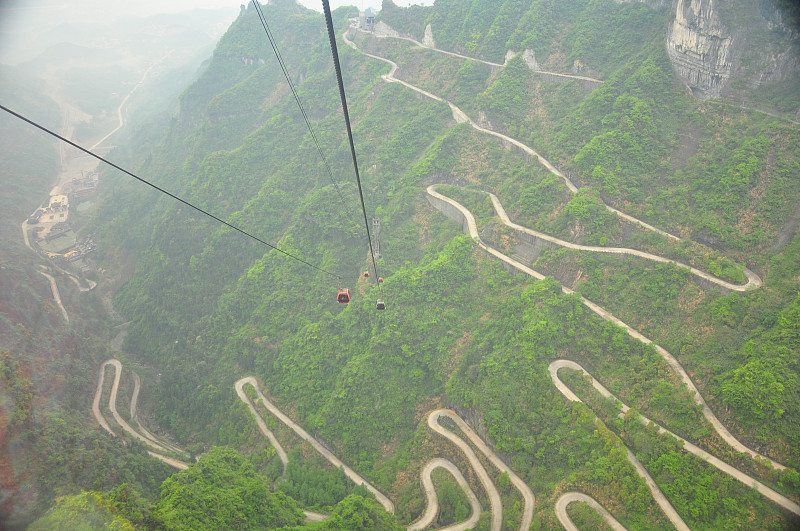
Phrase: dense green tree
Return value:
(356, 513)
(757, 388)
(87, 511)
(223, 491)
(506, 99)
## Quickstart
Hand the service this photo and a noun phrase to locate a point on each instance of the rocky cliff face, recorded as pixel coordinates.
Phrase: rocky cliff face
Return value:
(778, 62)
(712, 52)
(700, 48)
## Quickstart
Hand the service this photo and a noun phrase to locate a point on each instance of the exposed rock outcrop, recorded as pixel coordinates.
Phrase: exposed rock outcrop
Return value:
(528, 55)
(720, 49)
(778, 19)
(775, 67)
(427, 38)
(578, 67)
(530, 59)
(782, 58)
(700, 48)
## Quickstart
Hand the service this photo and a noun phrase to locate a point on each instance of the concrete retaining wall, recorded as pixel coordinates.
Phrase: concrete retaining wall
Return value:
(449, 210)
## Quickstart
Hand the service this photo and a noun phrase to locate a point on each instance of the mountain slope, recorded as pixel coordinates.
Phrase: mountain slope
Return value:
(208, 307)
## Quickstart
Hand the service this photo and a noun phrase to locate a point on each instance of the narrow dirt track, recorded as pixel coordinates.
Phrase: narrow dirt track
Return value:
(748, 480)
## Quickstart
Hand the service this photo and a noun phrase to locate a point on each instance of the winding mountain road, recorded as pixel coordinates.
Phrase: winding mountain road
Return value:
(656, 492)
(137, 384)
(149, 439)
(409, 39)
(475, 59)
(748, 480)
(279, 450)
(489, 487)
(174, 463)
(77, 282)
(753, 280)
(96, 403)
(433, 419)
(461, 117)
(432, 507)
(112, 405)
(260, 421)
(349, 472)
(433, 422)
(528, 498)
(432, 501)
(471, 229)
(56, 294)
(573, 497)
(24, 227)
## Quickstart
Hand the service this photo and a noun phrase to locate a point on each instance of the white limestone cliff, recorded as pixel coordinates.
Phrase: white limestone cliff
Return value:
(700, 47)
(427, 38)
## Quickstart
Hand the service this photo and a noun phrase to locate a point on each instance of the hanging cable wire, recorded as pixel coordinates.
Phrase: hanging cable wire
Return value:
(335, 53)
(187, 203)
(297, 97)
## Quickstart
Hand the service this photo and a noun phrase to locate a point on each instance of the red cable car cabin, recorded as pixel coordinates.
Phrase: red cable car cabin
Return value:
(343, 296)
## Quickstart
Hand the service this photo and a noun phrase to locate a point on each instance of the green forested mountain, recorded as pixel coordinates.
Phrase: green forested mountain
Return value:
(208, 307)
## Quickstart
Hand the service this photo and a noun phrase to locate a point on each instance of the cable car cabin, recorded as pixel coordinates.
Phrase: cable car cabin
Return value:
(366, 274)
(380, 280)
(380, 305)
(343, 296)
